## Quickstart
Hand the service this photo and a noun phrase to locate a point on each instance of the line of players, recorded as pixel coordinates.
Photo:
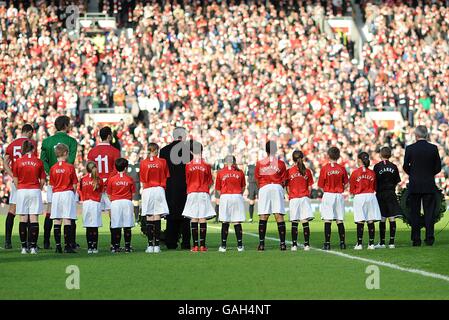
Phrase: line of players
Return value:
(106, 186)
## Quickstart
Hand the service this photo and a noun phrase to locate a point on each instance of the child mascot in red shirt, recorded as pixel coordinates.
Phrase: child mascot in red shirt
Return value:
(362, 185)
(198, 205)
(120, 190)
(153, 176)
(29, 178)
(230, 183)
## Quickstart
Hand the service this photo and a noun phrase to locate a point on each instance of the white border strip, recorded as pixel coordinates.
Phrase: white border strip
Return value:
(370, 261)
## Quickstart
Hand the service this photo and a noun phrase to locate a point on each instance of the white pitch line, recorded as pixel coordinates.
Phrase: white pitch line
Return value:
(348, 256)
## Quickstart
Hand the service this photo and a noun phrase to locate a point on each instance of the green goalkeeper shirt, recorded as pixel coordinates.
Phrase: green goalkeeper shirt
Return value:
(48, 155)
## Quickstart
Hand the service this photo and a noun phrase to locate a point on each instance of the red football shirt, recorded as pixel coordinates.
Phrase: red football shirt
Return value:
(198, 176)
(154, 172)
(230, 181)
(14, 150)
(29, 170)
(120, 187)
(104, 156)
(363, 180)
(298, 184)
(333, 178)
(86, 189)
(63, 176)
(270, 171)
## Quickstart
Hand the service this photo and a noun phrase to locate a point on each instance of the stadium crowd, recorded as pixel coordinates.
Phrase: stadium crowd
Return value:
(234, 74)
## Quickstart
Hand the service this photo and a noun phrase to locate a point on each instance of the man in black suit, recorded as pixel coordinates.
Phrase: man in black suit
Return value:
(422, 162)
(177, 154)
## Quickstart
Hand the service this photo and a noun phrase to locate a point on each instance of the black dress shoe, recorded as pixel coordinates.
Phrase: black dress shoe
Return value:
(185, 246)
(430, 242)
(417, 243)
(47, 246)
(58, 249)
(69, 249)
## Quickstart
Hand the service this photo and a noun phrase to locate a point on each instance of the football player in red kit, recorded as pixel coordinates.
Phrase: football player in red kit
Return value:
(362, 185)
(230, 183)
(104, 155)
(299, 186)
(90, 190)
(271, 175)
(12, 153)
(198, 205)
(120, 189)
(333, 180)
(63, 181)
(153, 176)
(29, 177)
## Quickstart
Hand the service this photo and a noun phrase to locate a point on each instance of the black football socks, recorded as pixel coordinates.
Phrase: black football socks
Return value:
(57, 234)
(282, 232)
(341, 232)
(371, 233)
(194, 226)
(262, 231)
(392, 231)
(48, 224)
(34, 234)
(306, 231)
(239, 234)
(382, 231)
(150, 233)
(23, 230)
(73, 233)
(203, 232)
(327, 233)
(68, 235)
(157, 232)
(294, 234)
(127, 234)
(224, 233)
(9, 224)
(360, 227)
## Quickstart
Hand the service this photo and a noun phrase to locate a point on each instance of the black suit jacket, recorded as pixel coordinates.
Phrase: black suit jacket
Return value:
(422, 162)
(176, 191)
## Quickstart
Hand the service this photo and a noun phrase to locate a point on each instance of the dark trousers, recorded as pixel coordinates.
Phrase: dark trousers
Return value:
(177, 226)
(428, 201)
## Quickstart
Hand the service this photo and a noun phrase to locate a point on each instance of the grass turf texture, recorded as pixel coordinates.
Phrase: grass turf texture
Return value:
(232, 275)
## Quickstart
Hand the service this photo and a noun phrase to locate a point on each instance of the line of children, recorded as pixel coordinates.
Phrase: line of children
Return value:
(271, 175)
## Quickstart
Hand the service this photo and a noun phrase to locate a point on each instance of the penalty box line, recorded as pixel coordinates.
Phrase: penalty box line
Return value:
(370, 261)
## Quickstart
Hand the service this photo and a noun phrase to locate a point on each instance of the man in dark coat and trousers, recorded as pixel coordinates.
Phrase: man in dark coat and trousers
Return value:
(422, 162)
(177, 154)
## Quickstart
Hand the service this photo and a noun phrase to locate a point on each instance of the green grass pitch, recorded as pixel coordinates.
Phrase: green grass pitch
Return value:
(232, 275)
